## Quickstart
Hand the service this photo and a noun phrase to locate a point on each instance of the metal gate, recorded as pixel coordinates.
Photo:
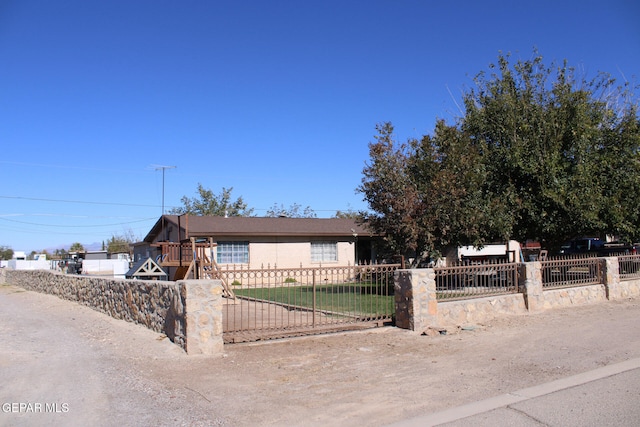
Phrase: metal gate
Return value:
(281, 302)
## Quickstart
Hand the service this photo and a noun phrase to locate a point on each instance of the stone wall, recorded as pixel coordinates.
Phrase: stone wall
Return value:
(479, 310)
(581, 295)
(177, 309)
(418, 309)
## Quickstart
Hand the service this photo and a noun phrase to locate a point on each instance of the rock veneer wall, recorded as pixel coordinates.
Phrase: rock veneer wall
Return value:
(418, 309)
(189, 312)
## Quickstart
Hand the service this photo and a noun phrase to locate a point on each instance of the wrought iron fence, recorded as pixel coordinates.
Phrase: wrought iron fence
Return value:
(273, 302)
(564, 273)
(629, 267)
(476, 280)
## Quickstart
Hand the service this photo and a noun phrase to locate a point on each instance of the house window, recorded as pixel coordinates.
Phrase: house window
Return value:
(324, 251)
(232, 253)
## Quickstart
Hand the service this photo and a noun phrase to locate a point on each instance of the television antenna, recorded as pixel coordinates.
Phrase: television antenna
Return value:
(162, 168)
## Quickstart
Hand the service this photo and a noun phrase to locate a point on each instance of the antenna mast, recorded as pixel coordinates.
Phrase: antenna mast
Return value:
(163, 168)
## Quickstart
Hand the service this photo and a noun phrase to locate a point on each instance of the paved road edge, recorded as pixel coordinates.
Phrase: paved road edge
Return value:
(481, 406)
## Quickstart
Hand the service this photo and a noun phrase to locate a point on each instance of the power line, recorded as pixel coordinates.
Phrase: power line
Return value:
(67, 166)
(76, 225)
(77, 201)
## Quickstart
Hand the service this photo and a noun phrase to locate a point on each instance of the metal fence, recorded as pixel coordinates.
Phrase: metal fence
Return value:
(629, 267)
(476, 280)
(278, 302)
(564, 273)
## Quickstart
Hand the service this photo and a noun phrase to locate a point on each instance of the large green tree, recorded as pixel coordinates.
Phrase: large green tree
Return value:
(540, 153)
(209, 204)
(427, 195)
(560, 150)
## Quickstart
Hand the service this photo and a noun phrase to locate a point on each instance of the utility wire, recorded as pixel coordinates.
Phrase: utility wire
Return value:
(76, 225)
(77, 201)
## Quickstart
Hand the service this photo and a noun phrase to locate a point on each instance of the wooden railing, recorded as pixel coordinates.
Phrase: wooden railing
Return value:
(193, 260)
(175, 254)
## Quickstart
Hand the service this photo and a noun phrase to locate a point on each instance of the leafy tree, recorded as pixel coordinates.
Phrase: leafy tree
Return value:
(539, 154)
(209, 204)
(76, 247)
(349, 213)
(560, 150)
(60, 253)
(118, 244)
(428, 195)
(6, 253)
(293, 211)
(395, 204)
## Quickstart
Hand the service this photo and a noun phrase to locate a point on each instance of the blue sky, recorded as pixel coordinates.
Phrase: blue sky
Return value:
(277, 99)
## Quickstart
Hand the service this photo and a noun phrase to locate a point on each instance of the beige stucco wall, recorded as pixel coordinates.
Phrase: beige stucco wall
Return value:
(292, 253)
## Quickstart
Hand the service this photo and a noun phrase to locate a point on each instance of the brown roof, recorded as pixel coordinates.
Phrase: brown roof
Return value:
(216, 226)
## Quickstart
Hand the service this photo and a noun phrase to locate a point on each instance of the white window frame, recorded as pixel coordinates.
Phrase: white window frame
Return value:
(324, 251)
(232, 252)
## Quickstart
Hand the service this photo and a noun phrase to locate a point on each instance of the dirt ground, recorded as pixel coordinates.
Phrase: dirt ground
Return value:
(111, 372)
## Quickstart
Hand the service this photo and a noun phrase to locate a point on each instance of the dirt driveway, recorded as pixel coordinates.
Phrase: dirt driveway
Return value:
(109, 372)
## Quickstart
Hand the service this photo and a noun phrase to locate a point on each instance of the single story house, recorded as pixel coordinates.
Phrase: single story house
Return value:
(256, 242)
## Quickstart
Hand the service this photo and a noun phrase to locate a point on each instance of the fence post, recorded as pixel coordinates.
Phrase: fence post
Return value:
(415, 299)
(610, 268)
(531, 285)
(313, 312)
(203, 316)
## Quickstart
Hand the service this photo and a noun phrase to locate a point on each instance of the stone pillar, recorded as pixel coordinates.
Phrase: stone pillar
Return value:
(531, 285)
(610, 269)
(415, 299)
(203, 316)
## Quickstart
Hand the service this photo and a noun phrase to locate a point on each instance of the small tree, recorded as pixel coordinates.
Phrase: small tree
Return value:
(6, 253)
(118, 244)
(395, 203)
(293, 211)
(349, 213)
(209, 204)
(60, 253)
(76, 247)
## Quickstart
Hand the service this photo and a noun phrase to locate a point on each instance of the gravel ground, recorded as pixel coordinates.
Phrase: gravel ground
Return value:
(84, 368)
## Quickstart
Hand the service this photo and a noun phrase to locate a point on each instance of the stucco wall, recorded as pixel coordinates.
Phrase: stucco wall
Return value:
(292, 253)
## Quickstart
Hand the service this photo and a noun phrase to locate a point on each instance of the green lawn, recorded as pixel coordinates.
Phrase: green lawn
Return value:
(348, 299)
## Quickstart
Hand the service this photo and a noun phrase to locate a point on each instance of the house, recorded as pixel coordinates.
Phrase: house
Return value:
(256, 242)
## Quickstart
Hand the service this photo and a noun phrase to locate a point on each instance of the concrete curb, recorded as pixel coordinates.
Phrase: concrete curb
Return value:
(481, 406)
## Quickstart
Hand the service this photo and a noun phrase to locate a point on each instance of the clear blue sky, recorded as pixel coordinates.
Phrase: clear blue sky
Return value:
(277, 99)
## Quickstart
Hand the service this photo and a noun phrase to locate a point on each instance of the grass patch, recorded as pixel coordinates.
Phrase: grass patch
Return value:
(350, 299)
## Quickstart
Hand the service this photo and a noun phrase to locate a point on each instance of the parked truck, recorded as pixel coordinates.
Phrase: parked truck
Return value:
(71, 265)
(594, 245)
